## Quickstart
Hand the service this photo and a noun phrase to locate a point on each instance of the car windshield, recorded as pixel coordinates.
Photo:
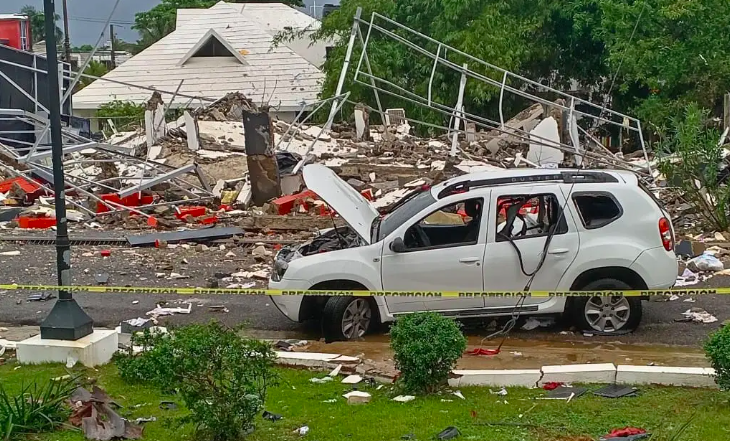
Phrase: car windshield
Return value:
(397, 217)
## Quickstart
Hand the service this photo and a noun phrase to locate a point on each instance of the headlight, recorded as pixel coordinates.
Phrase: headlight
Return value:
(280, 268)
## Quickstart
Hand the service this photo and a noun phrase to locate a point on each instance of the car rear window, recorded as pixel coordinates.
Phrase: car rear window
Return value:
(597, 210)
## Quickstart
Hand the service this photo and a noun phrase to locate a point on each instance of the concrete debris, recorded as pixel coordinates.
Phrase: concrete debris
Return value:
(404, 398)
(699, 315)
(93, 412)
(357, 397)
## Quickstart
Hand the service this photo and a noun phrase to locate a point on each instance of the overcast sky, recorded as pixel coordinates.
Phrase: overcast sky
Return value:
(87, 17)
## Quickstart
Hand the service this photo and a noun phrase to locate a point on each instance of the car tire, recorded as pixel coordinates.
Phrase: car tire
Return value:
(612, 315)
(347, 318)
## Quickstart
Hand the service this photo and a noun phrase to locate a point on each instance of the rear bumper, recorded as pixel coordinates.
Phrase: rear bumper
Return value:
(657, 267)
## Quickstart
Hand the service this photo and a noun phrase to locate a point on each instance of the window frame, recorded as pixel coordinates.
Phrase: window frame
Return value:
(596, 193)
(460, 244)
(563, 227)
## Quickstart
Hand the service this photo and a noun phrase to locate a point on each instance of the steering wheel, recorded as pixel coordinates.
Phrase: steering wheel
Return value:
(420, 237)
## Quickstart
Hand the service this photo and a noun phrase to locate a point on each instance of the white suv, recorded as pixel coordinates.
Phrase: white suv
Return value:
(509, 230)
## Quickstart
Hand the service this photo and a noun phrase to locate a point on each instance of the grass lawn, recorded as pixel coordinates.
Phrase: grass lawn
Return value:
(657, 409)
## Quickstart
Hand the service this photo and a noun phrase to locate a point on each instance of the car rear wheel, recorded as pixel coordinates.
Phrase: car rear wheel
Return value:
(346, 318)
(607, 315)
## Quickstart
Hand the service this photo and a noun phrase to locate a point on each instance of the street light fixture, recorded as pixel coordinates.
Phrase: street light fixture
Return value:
(66, 321)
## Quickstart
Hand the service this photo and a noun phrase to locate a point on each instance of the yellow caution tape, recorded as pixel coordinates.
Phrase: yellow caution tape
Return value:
(347, 293)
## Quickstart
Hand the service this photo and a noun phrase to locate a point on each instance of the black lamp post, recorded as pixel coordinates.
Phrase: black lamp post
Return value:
(67, 321)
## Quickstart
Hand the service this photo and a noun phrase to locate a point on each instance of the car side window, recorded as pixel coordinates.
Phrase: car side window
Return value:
(597, 210)
(455, 225)
(528, 216)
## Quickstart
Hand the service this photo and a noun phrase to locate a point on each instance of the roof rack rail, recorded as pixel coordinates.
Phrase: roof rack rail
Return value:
(568, 177)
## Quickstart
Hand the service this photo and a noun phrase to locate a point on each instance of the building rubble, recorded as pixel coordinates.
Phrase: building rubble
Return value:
(206, 170)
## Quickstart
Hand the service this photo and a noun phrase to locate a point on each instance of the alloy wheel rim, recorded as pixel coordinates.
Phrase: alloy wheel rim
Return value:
(356, 320)
(607, 314)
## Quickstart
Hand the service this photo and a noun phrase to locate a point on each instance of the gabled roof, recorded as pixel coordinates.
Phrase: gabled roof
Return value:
(277, 75)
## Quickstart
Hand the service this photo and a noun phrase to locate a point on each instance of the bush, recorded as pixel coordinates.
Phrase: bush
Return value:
(35, 409)
(691, 161)
(426, 346)
(717, 348)
(221, 376)
(125, 115)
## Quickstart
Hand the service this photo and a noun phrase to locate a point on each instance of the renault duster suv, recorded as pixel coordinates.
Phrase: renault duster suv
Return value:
(511, 230)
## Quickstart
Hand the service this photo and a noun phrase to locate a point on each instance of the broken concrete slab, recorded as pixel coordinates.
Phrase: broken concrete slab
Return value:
(543, 142)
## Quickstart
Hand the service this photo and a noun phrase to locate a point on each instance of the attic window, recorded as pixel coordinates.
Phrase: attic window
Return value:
(213, 45)
(213, 48)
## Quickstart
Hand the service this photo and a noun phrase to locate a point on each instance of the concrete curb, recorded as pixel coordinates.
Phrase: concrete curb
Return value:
(606, 373)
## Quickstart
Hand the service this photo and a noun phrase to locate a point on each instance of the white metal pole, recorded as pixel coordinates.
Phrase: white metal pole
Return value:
(345, 66)
(458, 110)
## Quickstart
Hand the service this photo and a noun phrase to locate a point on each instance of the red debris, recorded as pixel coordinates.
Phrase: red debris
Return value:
(552, 385)
(626, 431)
(134, 200)
(24, 184)
(482, 351)
(105, 253)
(194, 211)
(285, 204)
(36, 222)
(152, 221)
(208, 220)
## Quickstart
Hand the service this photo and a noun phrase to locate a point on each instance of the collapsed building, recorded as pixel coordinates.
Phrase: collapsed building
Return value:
(233, 162)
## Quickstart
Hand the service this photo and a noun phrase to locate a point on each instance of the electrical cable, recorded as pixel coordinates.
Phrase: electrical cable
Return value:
(516, 311)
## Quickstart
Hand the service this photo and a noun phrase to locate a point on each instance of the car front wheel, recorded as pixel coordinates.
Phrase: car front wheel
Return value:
(607, 315)
(346, 318)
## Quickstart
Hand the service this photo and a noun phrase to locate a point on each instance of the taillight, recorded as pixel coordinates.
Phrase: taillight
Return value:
(665, 232)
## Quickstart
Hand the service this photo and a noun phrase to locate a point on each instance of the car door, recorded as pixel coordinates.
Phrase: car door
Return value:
(452, 263)
(502, 271)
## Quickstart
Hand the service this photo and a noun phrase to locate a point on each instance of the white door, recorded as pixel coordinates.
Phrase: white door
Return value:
(442, 251)
(540, 208)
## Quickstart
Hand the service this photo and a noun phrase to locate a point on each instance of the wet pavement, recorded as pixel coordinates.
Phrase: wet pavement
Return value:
(140, 267)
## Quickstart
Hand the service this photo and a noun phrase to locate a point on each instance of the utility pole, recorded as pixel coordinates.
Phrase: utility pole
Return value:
(66, 36)
(114, 58)
(66, 321)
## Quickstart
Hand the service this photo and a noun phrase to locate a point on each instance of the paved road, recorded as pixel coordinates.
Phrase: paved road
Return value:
(135, 267)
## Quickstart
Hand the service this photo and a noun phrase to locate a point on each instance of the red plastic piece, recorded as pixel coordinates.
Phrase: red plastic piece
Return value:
(626, 431)
(134, 200)
(105, 253)
(194, 211)
(152, 221)
(551, 385)
(285, 204)
(482, 351)
(24, 184)
(368, 194)
(31, 189)
(208, 220)
(36, 222)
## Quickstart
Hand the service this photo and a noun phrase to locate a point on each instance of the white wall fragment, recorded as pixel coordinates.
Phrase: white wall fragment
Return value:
(543, 140)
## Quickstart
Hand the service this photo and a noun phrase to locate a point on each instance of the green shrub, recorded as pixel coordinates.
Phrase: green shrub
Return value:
(125, 115)
(717, 348)
(426, 346)
(690, 160)
(221, 376)
(35, 409)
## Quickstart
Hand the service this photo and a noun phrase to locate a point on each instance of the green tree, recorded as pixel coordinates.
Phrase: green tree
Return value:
(94, 68)
(83, 48)
(651, 56)
(159, 21)
(38, 24)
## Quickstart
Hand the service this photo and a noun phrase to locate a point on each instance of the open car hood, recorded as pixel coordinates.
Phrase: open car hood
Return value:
(341, 197)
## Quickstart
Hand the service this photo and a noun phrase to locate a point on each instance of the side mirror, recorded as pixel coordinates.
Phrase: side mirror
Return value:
(397, 246)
